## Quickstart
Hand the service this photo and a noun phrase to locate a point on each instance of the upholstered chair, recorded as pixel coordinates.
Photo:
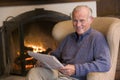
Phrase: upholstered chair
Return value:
(110, 27)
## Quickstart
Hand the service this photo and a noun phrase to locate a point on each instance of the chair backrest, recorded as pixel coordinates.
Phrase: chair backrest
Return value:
(109, 26)
(61, 29)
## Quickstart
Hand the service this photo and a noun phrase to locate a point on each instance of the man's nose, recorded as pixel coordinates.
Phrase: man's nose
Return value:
(78, 23)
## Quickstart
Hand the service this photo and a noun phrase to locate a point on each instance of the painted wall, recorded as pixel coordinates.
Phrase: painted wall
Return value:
(65, 8)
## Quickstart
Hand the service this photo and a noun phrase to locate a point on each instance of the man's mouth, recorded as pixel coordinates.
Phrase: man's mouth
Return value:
(80, 28)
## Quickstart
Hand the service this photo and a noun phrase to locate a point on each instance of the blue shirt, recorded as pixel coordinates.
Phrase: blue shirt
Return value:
(89, 52)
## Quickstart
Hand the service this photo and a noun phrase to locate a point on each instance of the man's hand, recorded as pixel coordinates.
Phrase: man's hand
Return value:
(68, 70)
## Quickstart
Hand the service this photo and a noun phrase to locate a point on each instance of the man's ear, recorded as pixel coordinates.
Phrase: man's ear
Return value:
(91, 19)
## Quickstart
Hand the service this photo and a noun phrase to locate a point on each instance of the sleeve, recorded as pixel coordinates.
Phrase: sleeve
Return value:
(101, 62)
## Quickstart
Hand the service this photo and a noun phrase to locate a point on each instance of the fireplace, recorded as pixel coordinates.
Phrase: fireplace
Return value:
(29, 31)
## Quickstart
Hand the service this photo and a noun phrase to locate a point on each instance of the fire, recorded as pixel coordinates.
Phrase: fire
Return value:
(29, 66)
(30, 58)
(37, 48)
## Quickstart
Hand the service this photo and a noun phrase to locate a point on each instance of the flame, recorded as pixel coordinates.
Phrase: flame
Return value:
(37, 48)
(30, 58)
(29, 66)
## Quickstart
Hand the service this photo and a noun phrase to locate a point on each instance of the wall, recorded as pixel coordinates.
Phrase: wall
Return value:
(108, 8)
(65, 8)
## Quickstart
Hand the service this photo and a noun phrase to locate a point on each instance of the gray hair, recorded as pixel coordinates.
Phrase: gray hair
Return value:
(80, 6)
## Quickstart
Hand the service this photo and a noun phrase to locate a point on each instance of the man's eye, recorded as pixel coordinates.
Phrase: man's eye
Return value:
(82, 20)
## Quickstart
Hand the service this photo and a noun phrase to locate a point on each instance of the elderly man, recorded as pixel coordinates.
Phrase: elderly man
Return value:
(83, 51)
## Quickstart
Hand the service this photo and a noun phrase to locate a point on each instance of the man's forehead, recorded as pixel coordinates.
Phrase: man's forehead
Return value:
(80, 14)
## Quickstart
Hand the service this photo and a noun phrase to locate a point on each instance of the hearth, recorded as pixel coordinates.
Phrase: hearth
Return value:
(29, 31)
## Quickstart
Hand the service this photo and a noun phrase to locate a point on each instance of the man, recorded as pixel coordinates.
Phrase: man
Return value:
(83, 51)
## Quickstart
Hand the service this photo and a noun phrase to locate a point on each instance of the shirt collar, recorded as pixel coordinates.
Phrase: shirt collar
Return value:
(80, 37)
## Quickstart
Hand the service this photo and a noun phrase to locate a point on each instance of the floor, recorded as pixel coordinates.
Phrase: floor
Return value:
(12, 77)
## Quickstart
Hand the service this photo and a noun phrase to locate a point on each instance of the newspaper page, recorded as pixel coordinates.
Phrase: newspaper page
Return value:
(49, 60)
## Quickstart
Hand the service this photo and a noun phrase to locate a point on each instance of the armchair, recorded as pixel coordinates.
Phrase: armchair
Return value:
(110, 27)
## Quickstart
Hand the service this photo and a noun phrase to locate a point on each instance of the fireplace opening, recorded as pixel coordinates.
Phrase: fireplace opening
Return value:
(30, 31)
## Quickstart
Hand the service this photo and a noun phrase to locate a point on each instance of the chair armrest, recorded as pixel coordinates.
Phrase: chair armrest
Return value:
(96, 76)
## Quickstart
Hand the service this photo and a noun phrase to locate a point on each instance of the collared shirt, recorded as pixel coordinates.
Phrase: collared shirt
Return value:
(89, 52)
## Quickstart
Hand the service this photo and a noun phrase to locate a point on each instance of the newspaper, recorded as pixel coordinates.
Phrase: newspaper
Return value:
(49, 60)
